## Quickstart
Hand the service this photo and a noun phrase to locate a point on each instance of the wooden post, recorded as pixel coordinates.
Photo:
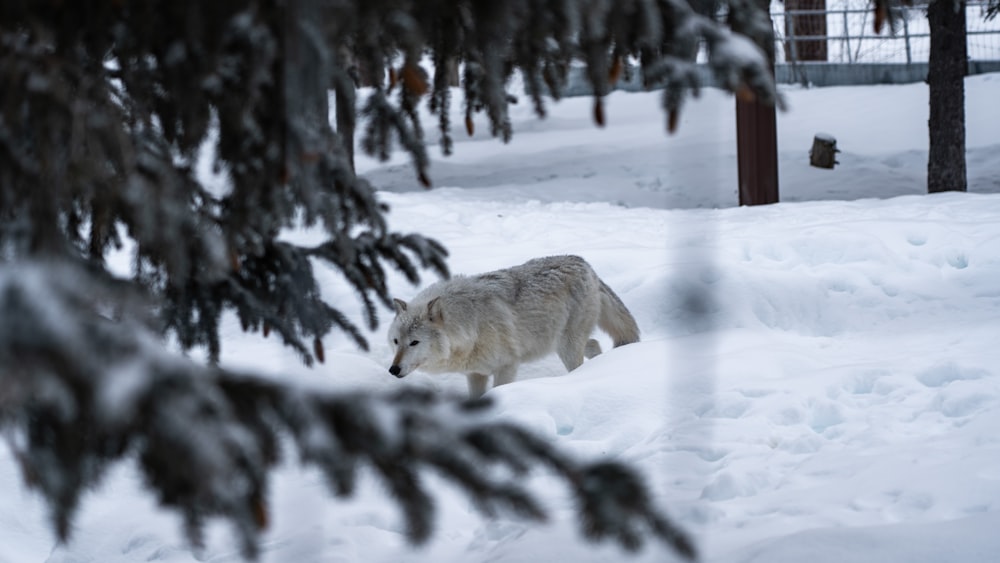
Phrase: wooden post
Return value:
(756, 152)
(757, 142)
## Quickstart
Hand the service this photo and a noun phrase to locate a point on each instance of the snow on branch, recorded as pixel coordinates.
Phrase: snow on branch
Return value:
(85, 386)
(542, 41)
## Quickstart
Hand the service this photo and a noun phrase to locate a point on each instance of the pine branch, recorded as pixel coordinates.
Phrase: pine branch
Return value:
(137, 106)
(104, 113)
(385, 123)
(84, 393)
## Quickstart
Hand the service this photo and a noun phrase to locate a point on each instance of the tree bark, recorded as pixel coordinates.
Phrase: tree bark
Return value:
(345, 107)
(824, 151)
(805, 25)
(947, 68)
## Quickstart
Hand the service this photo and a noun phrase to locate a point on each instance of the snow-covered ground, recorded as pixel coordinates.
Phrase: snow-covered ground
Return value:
(817, 379)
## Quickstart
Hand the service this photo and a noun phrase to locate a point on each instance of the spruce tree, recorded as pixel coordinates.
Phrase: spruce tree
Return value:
(948, 65)
(105, 110)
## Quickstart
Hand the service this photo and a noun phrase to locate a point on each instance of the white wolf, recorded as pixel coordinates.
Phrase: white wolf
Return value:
(490, 323)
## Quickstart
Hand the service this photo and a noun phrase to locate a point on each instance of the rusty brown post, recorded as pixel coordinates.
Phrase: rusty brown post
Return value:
(756, 152)
(757, 145)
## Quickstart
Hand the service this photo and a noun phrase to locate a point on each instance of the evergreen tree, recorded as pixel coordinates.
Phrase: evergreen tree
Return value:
(104, 111)
(948, 65)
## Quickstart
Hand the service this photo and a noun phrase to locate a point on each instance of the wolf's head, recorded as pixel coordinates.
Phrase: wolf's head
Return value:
(417, 336)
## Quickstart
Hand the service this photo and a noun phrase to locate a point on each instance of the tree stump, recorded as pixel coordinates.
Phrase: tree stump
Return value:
(824, 151)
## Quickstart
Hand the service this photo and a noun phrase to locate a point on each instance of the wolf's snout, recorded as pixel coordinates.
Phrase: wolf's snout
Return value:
(394, 370)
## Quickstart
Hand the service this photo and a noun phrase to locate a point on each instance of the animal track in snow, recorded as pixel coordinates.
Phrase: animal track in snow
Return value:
(958, 260)
(866, 382)
(944, 374)
(789, 416)
(706, 453)
(724, 408)
(957, 405)
(728, 485)
(824, 416)
(805, 444)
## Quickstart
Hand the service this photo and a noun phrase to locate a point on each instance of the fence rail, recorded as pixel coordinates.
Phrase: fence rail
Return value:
(841, 31)
(852, 54)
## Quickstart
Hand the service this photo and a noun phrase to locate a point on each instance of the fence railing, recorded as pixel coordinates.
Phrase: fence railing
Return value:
(837, 46)
(842, 31)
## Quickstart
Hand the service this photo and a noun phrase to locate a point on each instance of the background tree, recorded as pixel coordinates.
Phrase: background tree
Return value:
(946, 70)
(106, 109)
(948, 66)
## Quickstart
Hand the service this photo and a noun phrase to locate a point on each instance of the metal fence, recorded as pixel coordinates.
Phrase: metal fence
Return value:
(828, 42)
(844, 32)
(837, 45)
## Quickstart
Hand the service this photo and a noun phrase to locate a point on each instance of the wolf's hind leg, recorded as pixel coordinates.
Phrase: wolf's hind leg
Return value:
(505, 375)
(477, 384)
(571, 351)
(592, 349)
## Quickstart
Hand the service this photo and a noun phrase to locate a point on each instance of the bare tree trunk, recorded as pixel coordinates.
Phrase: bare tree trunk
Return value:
(345, 99)
(454, 77)
(306, 72)
(805, 25)
(346, 118)
(947, 68)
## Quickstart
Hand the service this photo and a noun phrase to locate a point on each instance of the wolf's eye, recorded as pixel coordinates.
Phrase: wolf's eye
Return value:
(414, 343)
(395, 341)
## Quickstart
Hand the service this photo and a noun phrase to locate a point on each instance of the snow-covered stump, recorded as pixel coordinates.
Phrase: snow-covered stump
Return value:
(824, 151)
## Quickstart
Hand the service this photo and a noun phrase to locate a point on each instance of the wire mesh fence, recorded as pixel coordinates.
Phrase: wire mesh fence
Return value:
(834, 43)
(842, 31)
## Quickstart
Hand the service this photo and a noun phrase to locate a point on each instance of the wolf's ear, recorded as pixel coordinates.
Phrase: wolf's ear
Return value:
(434, 313)
(400, 305)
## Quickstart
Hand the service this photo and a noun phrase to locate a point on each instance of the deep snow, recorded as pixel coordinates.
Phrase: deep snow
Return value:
(817, 379)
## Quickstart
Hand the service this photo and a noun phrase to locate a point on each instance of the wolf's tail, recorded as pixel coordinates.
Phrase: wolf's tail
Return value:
(615, 318)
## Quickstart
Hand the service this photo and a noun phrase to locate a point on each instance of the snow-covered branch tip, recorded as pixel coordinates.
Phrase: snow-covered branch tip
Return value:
(493, 42)
(83, 392)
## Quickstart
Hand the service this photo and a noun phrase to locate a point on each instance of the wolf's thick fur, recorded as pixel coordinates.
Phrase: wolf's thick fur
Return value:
(490, 323)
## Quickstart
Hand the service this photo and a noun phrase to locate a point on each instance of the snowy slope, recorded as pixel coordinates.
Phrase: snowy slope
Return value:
(818, 378)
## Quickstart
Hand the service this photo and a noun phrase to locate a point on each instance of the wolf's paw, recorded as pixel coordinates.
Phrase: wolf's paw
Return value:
(593, 348)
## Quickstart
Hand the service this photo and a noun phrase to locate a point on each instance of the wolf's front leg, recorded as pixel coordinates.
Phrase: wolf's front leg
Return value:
(477, 384)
